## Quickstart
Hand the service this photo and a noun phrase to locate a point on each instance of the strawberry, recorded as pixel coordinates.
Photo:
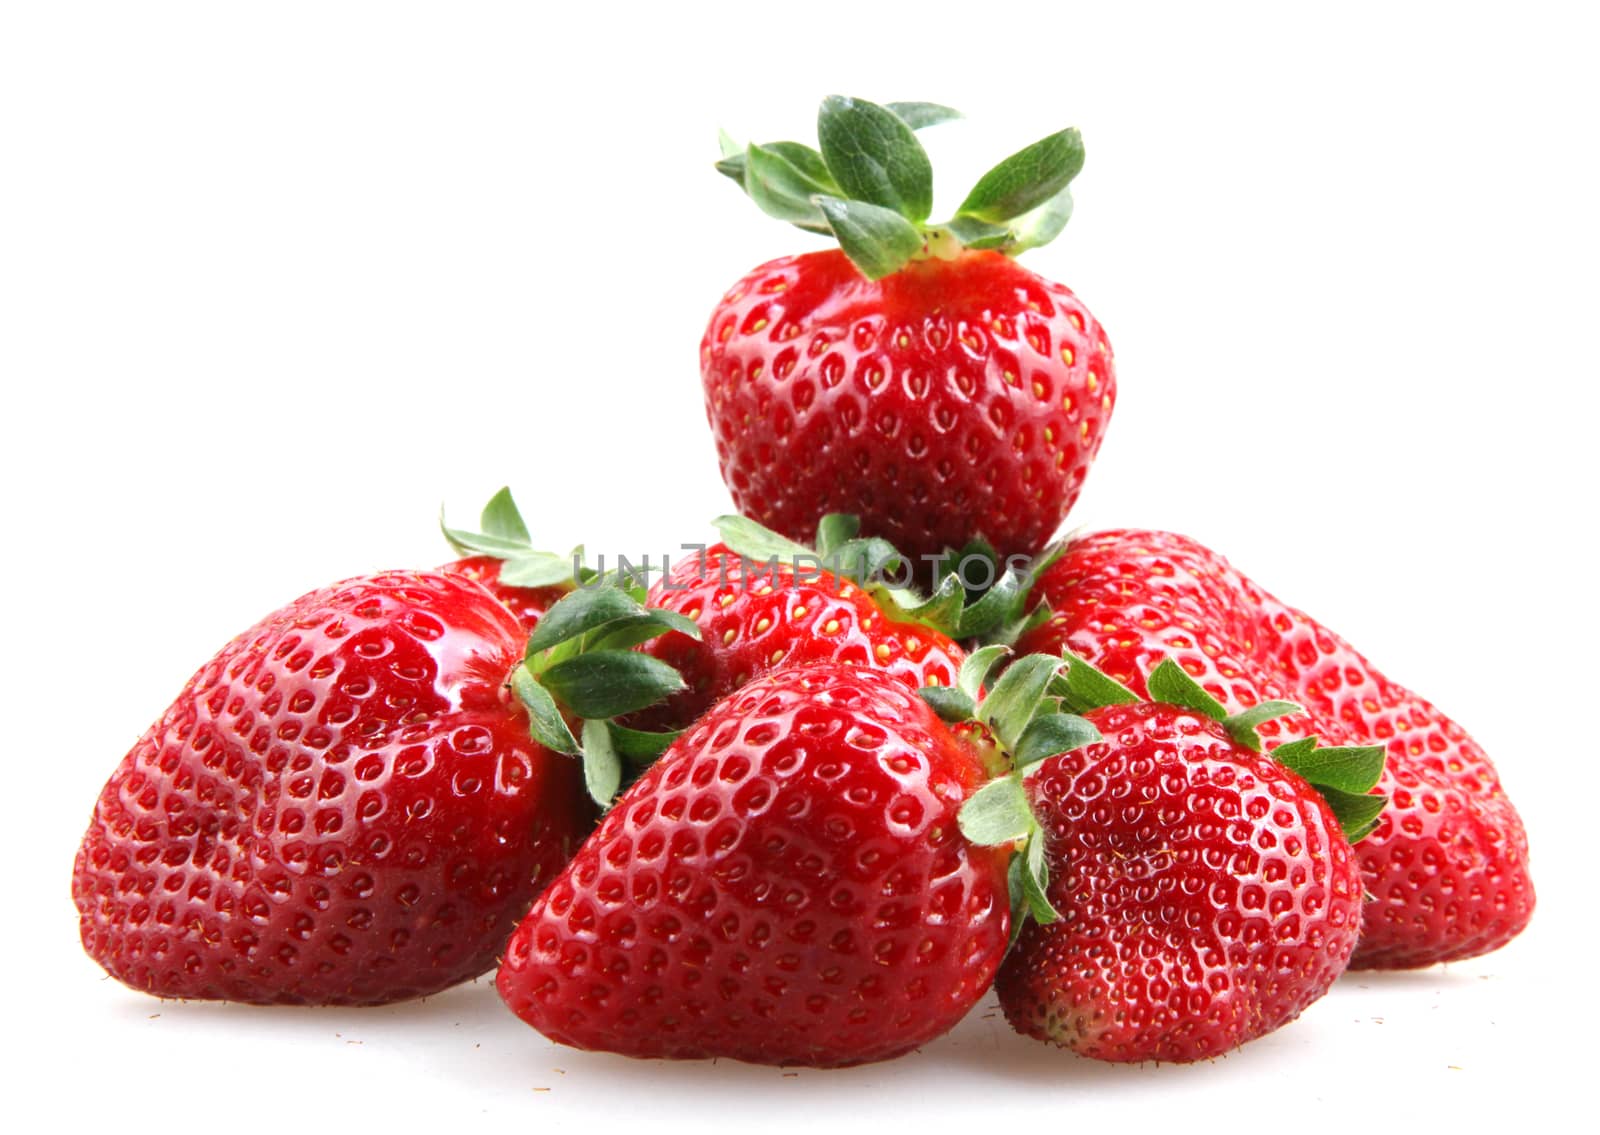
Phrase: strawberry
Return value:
(355, 800)
(917, 376)
(786, 885)
(1195, 894)
(1447, 866)
(772, 603)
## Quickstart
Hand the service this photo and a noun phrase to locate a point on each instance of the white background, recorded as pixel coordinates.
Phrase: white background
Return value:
(276, 280)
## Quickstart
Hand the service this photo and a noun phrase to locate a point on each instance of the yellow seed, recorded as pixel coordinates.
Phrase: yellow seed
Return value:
(933, 679)
(1077, 320)
(728, 636)
(1038, 390)
(763, 625)
(1011, 379)
(1067, 356)
(767, 590)
(1067, 404)
(1105, 401)
(799, 612)
(832, 627)
(1094, 382)
(725, 601)
(757, 326)
(692, 613)
(913, 645)
(1083, 429)
(882, 652)
(777, 656)
(1049, 435)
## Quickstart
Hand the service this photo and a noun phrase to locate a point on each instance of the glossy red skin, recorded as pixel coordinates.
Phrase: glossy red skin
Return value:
(1448, 862)
(949, 400)
(1207, 894)
(787, 885)
(753, 621)
(342, 807)
(528, 604)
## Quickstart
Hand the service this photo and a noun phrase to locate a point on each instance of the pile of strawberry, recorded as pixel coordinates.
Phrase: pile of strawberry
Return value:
(808, 804)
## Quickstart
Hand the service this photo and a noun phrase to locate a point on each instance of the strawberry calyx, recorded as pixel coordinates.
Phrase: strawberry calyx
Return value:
(580, 667)
(974, 594)
(503, 536)
(869, 184)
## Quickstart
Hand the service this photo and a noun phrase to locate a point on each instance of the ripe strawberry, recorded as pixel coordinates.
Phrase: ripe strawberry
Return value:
(1448, 863)
(787, 885)
(345, 805)
(919, 377)
(766, 606)
(1198, 894)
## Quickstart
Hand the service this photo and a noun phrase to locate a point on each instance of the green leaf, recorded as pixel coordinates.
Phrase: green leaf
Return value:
(1241, 726)
(1050, 735)
(731, 166)
(997, 813)
(998, 605)
(1353, 768)
(501, 518)
(1357, 812)
(755, 542)
(1018, 697)
(579, 613)
(1026, 180)
(976, 668)
(640, 747)
(726, 146)
(783, 190)
(977, 234)
(630, 631)
(952, 705)
(1169, 683)
(941, 610)
(1035, 879)
(878, 241)
(866, 559)
(1043, 225)
(545, 723)
(875, 158)
(611, 683)
(834, 530)
(538, 569)
(920, 115)
(1085, 687)
(602, 768)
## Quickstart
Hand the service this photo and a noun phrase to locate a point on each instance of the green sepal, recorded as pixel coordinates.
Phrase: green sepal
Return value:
(1035, 879)
(630, 631)
(998, 813)
(1348, 768)
(640, 746)
(1040, 227)
(875, 158)
(611, 682)
(952, 705)
(976, 668)
(757, 542)
(1171, 684)
(1086, 687)
(878, 241)
(545, 723)
(835, 530)
(577, 614)
(1241, 726)
(1018, 696)
(503, 535)
(921, 115)
(1050, 735)
(1026, 180)
(783, 188)
(979, 235)
(1357, 812)
(602, 766)
(942, 610)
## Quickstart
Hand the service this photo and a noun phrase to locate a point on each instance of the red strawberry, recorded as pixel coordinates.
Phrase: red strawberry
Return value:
(919, 378)
(757, 611)
(1448, 863)
(1206, 894)
(787, 885)
(345, 806)
(528, 604)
